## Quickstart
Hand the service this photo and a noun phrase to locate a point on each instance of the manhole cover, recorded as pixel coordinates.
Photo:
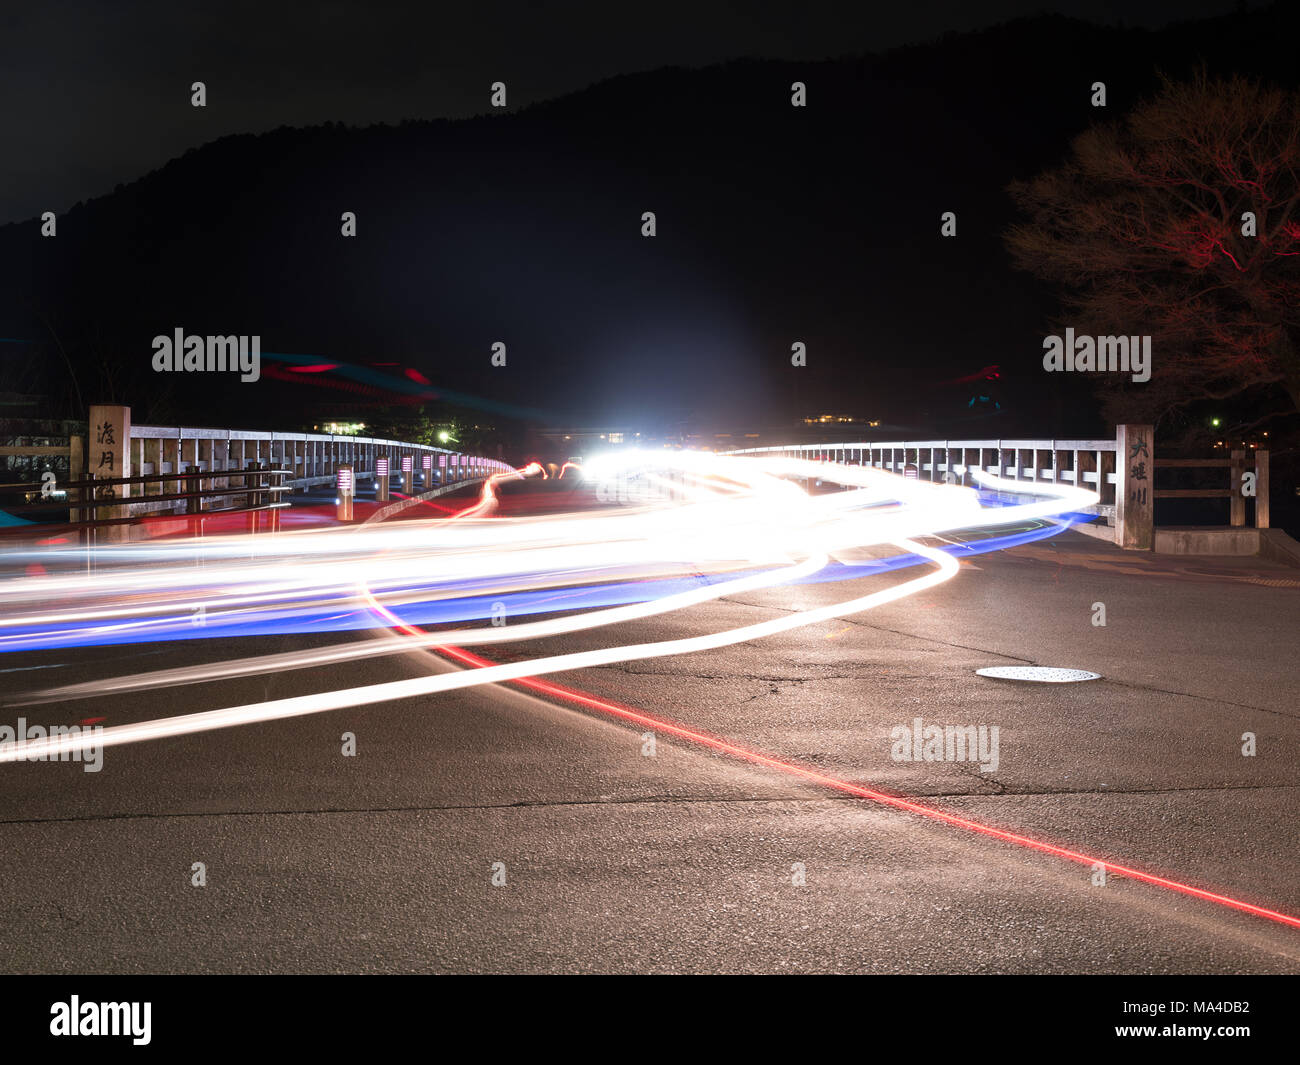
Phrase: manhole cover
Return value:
(1043, 674)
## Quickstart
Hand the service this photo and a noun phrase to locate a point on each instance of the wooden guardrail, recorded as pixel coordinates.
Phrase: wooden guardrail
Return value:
(1240, 485)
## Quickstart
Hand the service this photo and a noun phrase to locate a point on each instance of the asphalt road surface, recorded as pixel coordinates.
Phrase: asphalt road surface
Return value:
(491, 830)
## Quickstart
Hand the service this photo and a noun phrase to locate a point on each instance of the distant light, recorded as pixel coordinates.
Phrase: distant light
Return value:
(1214, 422)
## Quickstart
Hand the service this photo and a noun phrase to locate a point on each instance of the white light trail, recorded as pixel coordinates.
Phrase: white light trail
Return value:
(731, 512)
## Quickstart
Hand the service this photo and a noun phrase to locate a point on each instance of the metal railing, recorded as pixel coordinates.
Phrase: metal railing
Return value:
(1085, 463)
(1118, 470)
(94, 504)
(310, 458)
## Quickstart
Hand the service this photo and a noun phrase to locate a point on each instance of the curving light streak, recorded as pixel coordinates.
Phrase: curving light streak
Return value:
(768, 524)
(869, 513)
(729, 512)
(298, 706)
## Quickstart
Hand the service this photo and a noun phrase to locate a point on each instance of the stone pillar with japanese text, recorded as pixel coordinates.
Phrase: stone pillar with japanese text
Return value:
(1135, 487)
(108, 456)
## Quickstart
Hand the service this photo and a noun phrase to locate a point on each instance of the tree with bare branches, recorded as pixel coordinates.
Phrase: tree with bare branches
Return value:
(1181, 221)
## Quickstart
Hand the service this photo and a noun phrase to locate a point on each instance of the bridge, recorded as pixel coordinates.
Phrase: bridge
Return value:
(1122, 471)
(692, 731)
(158, 470)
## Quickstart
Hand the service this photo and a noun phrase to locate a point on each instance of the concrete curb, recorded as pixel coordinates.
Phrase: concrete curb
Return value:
(1277, 546)
(401, 504)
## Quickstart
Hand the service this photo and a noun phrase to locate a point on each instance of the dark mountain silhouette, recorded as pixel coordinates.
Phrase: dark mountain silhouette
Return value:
(775, 225)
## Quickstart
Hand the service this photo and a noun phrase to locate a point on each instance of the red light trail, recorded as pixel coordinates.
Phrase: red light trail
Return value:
(930, 508)
(897, 802)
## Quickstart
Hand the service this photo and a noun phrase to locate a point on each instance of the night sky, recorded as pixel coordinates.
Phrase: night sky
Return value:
(97, 93)
(816, 225)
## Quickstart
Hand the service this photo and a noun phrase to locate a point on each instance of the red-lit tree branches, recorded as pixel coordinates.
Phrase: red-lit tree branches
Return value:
(1147, 227)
